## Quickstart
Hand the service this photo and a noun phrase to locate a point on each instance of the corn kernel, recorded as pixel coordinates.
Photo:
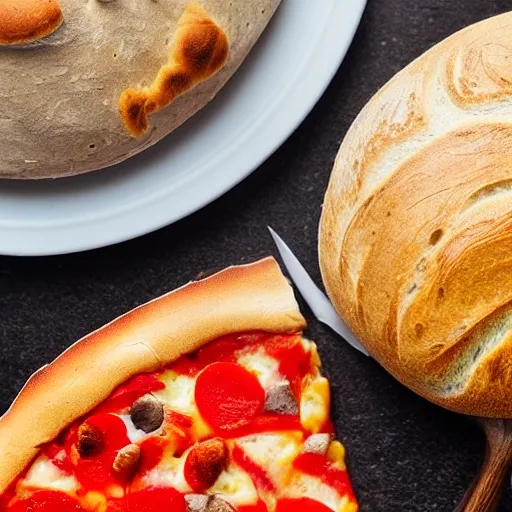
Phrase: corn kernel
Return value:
(315, 358)
(349, 507)
(336, 452)
(315, 405)
(96, 501)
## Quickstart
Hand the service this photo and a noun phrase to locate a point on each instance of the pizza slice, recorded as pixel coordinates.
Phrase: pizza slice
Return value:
(208, 399)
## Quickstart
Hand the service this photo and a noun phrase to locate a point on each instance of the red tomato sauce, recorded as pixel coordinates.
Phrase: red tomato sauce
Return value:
(269, 422)
(181, 427)
(116, 505)
(301, 505)
(46, 501)
(259, 507)
(133, 389)
(258, 475)
(59, 457)
(156, 499)
(225, 349)
(152, 450)
(320, 466)
(294, 361)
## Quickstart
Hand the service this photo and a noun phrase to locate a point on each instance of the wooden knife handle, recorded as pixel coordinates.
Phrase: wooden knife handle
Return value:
(485, 495)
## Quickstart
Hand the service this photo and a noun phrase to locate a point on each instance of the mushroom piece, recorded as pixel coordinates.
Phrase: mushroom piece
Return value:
(197, 502)
(207, 503)
(217, 504)
(280, 399)
(147, 413)
(89, 440)
(318, 444)
(205, 462)
(127, 462)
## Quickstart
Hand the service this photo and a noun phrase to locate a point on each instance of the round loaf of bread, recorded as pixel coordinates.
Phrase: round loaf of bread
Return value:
(85, 85)
(416, 232)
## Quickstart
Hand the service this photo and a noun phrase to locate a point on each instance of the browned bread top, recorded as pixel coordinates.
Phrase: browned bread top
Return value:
(115, 77)
(199, 50)
(22, 21)
(416, 232)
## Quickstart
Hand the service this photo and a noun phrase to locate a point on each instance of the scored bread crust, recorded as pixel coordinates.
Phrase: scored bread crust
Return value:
(416, 229)
(255, 297)
(83, 94)
(23, 21)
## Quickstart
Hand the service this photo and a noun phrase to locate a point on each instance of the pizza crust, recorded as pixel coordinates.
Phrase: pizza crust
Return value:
(254, 297)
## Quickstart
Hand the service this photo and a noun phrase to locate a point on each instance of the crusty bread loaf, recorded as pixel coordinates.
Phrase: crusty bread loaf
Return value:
(416, 232)
(114, 76)
(248, 298)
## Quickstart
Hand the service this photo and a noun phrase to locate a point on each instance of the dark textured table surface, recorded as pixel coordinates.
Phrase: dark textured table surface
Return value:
(404, 453)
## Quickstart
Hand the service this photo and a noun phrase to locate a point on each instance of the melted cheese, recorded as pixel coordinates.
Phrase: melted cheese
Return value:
(235, 487)
(45, 475)
(306, 486)
(169, 473)
(179, 396)
(134, 434)
(265, 367)
(347, 506)
(275, 453)
(178, 393)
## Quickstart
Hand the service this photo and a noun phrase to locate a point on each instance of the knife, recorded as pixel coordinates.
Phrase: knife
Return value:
(318, 302)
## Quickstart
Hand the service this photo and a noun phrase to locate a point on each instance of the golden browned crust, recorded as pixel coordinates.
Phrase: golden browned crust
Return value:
(416, 231)
(246, 298)
(200, 49)
(22, 21)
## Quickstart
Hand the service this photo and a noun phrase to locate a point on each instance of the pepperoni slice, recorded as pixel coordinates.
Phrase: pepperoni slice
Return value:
(46, 501)
(228, 396)
(156, 499)
(95, 472)
(302, 505)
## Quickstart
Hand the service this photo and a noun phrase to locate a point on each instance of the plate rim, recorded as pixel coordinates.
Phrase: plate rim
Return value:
(325, 70)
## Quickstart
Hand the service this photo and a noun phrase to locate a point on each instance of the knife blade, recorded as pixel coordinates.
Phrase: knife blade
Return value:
(316, 299)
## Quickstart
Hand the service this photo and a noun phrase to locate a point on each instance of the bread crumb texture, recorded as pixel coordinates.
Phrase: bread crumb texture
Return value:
(22, 21)
(199, 50)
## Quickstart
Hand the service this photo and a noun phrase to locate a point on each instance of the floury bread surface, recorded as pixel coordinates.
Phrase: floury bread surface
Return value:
(85, 85)
(416, 232)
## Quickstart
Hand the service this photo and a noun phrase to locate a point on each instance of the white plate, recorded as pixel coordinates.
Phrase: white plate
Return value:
(262, 105)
